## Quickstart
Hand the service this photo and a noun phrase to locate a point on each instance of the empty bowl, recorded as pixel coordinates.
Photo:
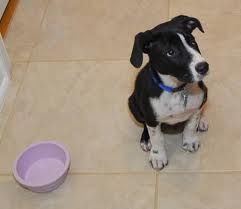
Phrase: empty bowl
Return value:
(42, 167)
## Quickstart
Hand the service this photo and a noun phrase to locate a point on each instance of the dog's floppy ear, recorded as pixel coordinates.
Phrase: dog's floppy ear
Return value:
(141, 45)
(190, 23)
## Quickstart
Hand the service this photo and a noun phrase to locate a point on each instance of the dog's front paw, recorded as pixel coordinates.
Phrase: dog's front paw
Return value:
(158, 159)
(191, 144)
(145, 145)
(203, 125)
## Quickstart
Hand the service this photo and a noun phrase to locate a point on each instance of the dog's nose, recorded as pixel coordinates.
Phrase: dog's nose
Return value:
(202, 68)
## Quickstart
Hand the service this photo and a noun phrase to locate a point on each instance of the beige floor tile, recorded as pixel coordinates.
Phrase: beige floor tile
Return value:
(205, 6)
(222, 29)
(17, 75)
(94, 30)
(84, 106)
(199, 191)
(90, 192)
(24, 29)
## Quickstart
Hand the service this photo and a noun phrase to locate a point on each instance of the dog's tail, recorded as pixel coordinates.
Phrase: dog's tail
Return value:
(135, 110)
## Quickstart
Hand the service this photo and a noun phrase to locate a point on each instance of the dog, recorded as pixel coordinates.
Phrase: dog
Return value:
(170, 88)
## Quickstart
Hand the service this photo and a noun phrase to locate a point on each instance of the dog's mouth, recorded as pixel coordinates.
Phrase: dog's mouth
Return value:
(189, 78)
(186, 78)
(202, 76)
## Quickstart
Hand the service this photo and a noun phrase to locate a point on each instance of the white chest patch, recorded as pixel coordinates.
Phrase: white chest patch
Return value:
(170, 107)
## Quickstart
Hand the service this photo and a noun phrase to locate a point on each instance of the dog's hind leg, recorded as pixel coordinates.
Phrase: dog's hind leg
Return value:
(145, 140)
(135, 110)
(203, 124)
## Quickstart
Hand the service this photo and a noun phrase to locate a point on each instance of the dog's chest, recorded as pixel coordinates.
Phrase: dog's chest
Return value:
(173, 108)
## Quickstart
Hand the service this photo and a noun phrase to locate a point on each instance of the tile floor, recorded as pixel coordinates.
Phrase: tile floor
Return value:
(71, 78)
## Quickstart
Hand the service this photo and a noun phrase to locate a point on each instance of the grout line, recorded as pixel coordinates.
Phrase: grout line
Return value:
(5, 174)
(111, 173)
(166, 172)
(156, 190)
(96, 173)
(83, 60)
(202, 172)
(157, 174)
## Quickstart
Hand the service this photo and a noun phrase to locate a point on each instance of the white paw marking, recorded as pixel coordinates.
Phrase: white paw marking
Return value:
(203, 125)
(146, 147)
(158, 159)
(191, 144)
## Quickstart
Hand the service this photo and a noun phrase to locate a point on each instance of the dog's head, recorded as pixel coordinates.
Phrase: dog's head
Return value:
(172, 49)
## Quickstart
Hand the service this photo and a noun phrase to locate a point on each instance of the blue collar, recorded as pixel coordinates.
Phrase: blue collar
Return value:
(163, 87)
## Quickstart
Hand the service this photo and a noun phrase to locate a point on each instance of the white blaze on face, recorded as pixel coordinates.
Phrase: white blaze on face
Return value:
(196, 58)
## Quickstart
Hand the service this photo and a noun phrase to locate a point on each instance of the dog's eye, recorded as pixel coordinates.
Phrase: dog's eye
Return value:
(170, 53)
(193, 43)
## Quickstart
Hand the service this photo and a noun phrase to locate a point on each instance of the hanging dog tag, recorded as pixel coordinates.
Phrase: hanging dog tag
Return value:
(185, 97)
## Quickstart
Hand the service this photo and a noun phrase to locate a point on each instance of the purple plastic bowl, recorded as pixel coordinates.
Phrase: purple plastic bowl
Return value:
(42, 167)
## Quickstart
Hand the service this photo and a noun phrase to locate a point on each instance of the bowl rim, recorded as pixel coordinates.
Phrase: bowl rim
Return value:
(23, 182)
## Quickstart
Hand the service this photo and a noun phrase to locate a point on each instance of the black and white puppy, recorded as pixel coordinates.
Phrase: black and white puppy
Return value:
(169, 89)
